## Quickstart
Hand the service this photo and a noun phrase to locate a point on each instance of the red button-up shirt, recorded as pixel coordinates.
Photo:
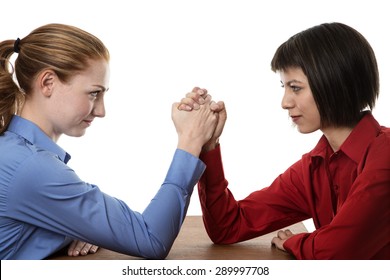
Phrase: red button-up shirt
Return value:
(347, 193)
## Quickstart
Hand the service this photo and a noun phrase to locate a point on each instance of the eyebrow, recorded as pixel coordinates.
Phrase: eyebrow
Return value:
(102, 87)
(292, 81)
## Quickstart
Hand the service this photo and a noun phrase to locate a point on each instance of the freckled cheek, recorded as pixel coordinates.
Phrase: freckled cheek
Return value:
(85, 108)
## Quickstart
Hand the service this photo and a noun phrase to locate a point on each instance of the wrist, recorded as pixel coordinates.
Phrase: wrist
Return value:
(210, 145)
(190, 146)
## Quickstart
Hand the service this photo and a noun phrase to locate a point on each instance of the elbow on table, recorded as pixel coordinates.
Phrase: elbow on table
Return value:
(160, 254)
(220, 239)
(222, 242)
(156, 252)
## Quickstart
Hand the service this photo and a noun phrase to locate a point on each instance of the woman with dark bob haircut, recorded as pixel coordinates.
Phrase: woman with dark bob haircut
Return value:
(331, 81)
(342, 92)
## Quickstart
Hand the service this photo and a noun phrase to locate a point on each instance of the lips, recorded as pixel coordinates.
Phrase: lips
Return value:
(295, 118)
(89, 122)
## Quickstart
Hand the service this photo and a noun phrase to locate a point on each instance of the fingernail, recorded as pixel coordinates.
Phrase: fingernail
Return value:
(201, 100)
(182, 107)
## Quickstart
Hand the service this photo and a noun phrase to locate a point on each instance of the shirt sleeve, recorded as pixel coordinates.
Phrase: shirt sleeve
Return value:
(48, 194)
(228, 220)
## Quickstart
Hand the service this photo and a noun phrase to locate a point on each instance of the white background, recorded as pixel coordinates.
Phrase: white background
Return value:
(160, 50)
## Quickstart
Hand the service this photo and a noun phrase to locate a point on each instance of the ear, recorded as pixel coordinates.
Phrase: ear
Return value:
(46, 81)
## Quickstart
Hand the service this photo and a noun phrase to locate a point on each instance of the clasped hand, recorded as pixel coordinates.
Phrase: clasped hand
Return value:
(199, 121)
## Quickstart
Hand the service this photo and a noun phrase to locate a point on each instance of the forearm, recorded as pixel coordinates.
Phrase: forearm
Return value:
(166, 212)
(219, 207)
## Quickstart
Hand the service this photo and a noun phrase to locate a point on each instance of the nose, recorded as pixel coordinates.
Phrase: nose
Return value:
(99, 109)
(287, 100)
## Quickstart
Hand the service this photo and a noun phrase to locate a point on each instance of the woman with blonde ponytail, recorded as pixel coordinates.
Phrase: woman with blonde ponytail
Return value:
(57, 86)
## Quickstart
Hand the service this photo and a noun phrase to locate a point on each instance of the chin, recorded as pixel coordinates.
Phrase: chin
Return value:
(306, 130)
(76, 133)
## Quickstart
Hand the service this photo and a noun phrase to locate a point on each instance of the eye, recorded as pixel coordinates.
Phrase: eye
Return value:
(295, 88)
(95, 93)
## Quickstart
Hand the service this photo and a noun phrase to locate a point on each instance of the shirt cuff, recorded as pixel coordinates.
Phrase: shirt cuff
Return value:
(294, 245)
(185, 170)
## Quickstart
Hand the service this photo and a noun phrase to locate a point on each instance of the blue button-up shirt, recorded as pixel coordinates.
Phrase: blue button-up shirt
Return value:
(44, 205)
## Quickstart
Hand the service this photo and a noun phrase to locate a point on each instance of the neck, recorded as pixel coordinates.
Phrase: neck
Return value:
(30, 112)
(336, 136)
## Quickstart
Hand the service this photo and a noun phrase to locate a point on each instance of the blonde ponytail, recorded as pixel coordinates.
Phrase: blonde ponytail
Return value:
(10, 94)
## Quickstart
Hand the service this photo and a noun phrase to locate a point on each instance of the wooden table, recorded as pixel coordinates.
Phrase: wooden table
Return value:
(193, 243)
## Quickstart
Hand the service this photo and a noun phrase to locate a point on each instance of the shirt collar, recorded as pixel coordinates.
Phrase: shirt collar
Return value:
(361, 136)
(356, 143)
(33, 134)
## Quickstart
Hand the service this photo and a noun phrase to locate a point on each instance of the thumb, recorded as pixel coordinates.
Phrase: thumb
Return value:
(217, 107)
(181, 107)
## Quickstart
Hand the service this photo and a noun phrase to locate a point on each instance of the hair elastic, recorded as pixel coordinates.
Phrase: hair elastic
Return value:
(16, 46)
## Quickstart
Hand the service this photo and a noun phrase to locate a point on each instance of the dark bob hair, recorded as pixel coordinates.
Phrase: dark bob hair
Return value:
(341, 69)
